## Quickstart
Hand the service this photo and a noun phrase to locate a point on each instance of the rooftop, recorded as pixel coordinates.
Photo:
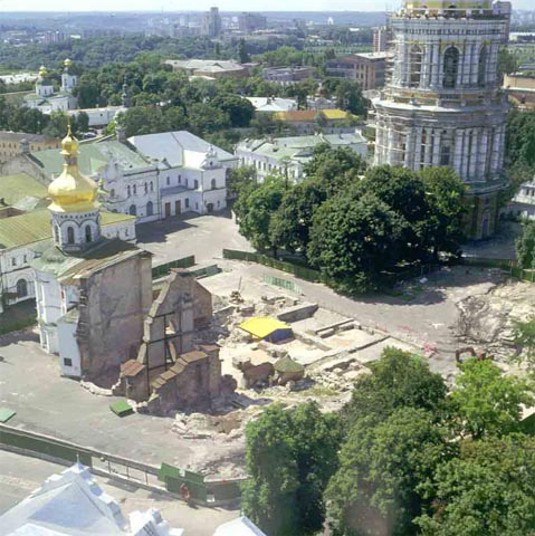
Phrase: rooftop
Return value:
(16, 188)
(333, 114)
(26, 229)
(203, 65)
(299, 147)
(70, 267)
(19, 136)
(272, 104)
(178, 149)
(92, 158)
(262, 326)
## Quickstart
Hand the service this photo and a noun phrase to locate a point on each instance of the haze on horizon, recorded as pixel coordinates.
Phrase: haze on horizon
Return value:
(203, 5)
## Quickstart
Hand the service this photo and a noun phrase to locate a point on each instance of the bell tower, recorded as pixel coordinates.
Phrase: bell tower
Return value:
(443, 105)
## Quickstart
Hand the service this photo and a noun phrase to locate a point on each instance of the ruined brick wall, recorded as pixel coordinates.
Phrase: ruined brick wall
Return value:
(113, 305)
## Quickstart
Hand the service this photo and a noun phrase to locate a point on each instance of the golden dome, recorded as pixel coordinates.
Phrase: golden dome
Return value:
(42, 71)
(67, 62)
(69, 144)
(72, 191)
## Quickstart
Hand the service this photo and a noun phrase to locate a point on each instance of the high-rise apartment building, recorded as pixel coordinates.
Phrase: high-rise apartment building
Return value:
(211, 23)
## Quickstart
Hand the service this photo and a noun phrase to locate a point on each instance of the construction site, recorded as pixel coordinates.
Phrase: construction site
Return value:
(216, 351)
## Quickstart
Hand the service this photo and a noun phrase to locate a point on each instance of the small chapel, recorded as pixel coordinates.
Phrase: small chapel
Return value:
(89, 288)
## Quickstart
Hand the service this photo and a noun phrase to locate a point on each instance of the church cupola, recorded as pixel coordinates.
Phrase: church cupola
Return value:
(74, 208)
(68, 80)
(44, 86)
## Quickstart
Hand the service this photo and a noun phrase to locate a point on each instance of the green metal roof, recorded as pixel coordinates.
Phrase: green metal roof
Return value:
(68, 267)
(31, 227)
(15, 188)
(92, 158)
(299, 147)
(6, 414)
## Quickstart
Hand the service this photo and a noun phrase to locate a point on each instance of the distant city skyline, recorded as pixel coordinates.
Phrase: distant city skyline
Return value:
(204, 5)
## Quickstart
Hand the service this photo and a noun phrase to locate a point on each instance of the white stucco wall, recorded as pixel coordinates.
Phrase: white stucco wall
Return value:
(69, 355)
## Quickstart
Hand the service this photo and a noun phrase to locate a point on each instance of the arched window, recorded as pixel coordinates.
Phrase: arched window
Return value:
(132, 210)
(213, 184)
(482, 66)
(451, 67)
(88, 233)
(128, 190)
(70, 235)
(151, 187)
(150, 208)
(196, 184)
(22, 288)
(415, 66)
(146, 188)
(134, 189)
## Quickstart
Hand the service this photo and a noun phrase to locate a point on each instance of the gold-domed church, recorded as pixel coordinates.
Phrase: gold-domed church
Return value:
(88, 288)
(46, 98)
(74, 208)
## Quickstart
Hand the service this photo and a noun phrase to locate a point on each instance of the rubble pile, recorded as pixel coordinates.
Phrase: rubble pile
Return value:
(488, 320)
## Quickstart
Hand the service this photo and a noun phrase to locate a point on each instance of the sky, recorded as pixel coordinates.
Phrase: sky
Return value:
(201, 5)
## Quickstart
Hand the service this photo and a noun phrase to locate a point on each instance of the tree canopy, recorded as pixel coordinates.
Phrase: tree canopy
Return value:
(291, 454)
(402, 457)
(488, 402)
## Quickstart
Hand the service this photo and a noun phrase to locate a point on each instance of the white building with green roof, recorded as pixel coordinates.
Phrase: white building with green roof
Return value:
(130, 180)
(151, 176)
(20, 235)
(288, 155)
(46, 99)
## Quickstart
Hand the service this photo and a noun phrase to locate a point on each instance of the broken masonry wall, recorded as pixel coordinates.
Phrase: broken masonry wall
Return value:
(113, 305)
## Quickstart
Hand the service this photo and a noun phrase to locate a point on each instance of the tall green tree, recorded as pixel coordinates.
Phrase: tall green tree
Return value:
(241, 181)
(239, 110)
(487, 490)
(269, 496)
(353, 239)
(291, 455)
(376, 490)
(398, 379)
(243, 55)
(524, 333)
(335, 169)
(256, 208)
(290, 225)
(445, 191)
(488, 402)
(525, 246)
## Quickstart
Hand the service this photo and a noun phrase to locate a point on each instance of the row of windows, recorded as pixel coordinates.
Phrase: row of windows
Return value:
(88, 234)
(14, 261)
(133, 189)
(451, 31)
(450, 67)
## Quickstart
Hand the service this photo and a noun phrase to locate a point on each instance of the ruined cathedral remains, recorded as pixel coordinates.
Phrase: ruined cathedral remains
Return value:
(443, 105)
